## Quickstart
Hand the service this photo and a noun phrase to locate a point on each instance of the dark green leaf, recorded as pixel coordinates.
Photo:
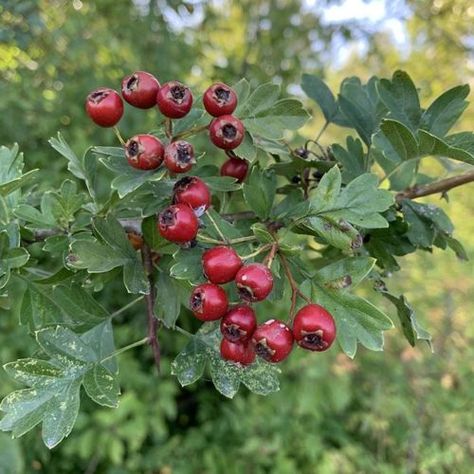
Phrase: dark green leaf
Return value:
(259, 191)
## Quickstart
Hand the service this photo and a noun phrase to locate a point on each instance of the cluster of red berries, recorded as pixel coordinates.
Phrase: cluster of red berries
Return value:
(313, 327)
(174, 100)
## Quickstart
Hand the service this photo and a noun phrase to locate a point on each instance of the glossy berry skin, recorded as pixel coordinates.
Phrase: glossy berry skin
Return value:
(238, 352)
(219, 99)
(208, 302)
(254, 282)
(236, 168)
(140, 89)
(105, 107)
(226, 132)
(144, 152)
(179, 156)
(239, 324)
(314, 328)
(273, 340)
(178, 223)
(174, 99)
(220, 264)
(194, 192)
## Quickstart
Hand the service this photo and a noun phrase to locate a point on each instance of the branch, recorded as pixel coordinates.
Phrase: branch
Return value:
(437, 187)
(153, 323)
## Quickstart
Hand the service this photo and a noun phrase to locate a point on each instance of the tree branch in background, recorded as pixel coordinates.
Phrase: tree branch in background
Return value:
(436, 187)
(153, 323)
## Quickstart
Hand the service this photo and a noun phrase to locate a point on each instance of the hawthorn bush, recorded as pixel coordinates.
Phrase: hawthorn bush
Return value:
(306, 224)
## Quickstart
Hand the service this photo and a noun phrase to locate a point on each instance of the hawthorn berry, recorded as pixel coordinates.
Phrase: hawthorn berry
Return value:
(239, 323)
(238, 352)
(178, 223)
(179, 156)
(254, 282)
(194, 192)
(140, 89)
(174, 99)
(273, 340)
(236, 168)
(219, 99)
(208, 302)
(105, 107)
(144, 152)
(226, 132)
(314, 328)
(221, 264)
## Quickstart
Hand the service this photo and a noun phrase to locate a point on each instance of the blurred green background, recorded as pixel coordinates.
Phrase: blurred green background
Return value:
(401, 411)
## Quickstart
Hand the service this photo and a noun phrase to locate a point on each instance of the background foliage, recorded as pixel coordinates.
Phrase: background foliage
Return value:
(403, 410)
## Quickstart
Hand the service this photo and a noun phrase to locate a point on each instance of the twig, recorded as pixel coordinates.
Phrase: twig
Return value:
(437, 187)
(323, 129)
(257, 252)
(295, 291)
(271, 255)
(153, 323)
(169, 128)
(119, 136)
(190, 132)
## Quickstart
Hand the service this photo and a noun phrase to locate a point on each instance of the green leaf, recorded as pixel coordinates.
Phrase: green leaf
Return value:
(401, 98)
(338, 234)
(10, 258)
(261, 99)
(445, 111)
(317, 90)
(352, 158)
(345, 273)
(15, 184)
(286, 114)
(247, 149)
(259, 191)
(168, 299)
(449, 148)
(325, 195)
(188, 265)
(224, 377)
(11, 168)
(54, 396)
(410, 327)
(190, 363)
(222, 183)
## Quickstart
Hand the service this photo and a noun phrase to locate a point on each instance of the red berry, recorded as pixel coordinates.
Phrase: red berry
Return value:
(273, 340)
(254, 282)
(178, 223)
(208, 302)
(236, 168)
(174, 99)
(193, 192)
(219, 99)
(221, 264)
(179, 156)
(239, 323)
(226, 132)
(144, 152)
(238, 352)
(104, 106)
(314, 328)
(140, 89)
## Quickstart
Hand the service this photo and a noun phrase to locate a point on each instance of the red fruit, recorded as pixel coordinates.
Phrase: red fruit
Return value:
(174, 99)
(219, 99)
(254, 282)
(240, 353)
(208, 302)
(239, 323)
(105, 107)
(314, 328)
(140, 89)
(178, 223)
(193, 192)
(236, 168)
(144, 152)
(226, 132)
(221, 264)
(273, 340)
(179, 156)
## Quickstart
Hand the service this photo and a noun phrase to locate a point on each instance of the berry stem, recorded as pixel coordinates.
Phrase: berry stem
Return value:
(190, 132)
(119, 136)
(127, 306)
(295, 291)
(214, 223)
(153, 322)
(240, 240)
(323, 129)
(141, 342)
(271, 255)
(257, 252)
(169, 128)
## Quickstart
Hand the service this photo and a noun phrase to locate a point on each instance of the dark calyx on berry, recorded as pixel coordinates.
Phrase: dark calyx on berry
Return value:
(302, 152)
(222, 95)
(98, 96)
(183, 183)
(132, 83)
(133, 148)
(296, 179)
(233, 332)
(196, 301)
(229, 131)
(314, 341)
(245, 293)
(185, 153)
(263, 351)
(167, 218)
(178, 93)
